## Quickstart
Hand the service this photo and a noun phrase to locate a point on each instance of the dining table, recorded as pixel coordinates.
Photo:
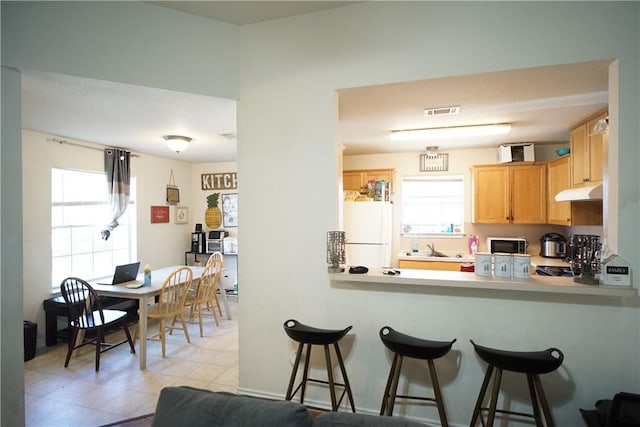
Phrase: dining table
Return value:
(144, 293)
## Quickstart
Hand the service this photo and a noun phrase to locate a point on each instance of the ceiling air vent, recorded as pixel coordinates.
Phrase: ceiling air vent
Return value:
(441, 111)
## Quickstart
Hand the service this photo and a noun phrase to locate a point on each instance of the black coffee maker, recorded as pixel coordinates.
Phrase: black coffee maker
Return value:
(198, 239)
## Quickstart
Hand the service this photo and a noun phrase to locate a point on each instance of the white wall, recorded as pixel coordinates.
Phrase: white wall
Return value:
(127, 42)
(290, 69)
(11, 338)
(285, 80)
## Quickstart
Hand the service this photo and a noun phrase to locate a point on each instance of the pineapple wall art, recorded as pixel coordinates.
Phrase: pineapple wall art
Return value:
(216, 214)
(213, 214)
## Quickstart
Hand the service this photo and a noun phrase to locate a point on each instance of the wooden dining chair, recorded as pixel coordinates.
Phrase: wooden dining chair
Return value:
(203, 297)
(170, 304)
(218, 258)
(86, 314)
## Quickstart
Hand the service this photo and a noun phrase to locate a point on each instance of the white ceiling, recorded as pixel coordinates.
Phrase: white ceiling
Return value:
(541, 103)
(249, 12)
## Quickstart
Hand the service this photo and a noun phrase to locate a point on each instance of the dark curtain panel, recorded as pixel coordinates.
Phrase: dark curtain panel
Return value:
(116, 166)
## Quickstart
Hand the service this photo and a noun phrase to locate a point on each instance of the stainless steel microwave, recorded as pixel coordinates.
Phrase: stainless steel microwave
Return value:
(508, 245)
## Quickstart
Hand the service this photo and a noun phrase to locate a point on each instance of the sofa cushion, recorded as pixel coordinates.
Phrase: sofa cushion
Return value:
(349, 419)
(192, 407)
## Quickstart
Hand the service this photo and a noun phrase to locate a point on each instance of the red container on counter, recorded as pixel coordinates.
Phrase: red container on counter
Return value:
(468, 266)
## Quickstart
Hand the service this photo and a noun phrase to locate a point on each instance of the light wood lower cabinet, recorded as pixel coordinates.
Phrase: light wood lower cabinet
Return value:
(429, 265)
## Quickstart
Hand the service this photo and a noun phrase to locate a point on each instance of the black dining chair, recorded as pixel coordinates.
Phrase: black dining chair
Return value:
(86, 314)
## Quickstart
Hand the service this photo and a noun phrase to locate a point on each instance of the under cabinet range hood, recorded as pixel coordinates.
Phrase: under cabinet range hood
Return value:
(593, 192)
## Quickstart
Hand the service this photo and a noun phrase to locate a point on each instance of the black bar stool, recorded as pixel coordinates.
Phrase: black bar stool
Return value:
(407, 346)
(531, 363)
(310, 336)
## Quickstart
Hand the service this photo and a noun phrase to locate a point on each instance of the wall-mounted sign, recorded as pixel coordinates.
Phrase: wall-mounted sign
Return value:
(219, 181)
(159, 214)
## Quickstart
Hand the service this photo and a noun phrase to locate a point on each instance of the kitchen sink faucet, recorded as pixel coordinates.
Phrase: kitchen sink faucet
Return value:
(434, 252)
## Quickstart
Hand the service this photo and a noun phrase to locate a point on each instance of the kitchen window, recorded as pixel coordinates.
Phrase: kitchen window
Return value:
(433, 205)
(80, 209)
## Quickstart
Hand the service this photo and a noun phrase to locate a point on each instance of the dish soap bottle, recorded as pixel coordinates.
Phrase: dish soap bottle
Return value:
(147, 275)
(473, 244)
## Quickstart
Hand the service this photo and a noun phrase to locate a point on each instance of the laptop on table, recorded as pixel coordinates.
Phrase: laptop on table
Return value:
(126, 273)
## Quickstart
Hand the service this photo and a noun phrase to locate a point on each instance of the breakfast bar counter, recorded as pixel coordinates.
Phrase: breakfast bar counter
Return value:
(436, 279)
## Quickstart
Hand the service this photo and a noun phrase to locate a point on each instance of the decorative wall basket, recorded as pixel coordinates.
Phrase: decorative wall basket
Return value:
(434, 163)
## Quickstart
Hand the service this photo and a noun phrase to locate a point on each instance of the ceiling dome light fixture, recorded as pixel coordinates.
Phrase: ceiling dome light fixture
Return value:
(177, 143)
(449, 132)
(432, 151)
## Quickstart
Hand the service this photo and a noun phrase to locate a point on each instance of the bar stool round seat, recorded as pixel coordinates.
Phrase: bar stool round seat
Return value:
(310, 336)
(530, 363)
(403, 345)
(315, 336)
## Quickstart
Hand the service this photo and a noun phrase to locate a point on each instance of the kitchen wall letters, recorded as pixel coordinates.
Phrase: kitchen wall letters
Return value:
(219, 181)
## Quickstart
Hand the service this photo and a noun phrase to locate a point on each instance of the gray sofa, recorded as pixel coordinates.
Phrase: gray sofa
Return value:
(191, 407)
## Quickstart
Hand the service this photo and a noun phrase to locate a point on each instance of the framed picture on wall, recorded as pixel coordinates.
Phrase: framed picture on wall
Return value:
(159, 214)
(173, 195)
(182, 215)
(230, 210)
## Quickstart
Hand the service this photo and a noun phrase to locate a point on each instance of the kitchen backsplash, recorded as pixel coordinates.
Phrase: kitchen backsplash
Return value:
(459, 244)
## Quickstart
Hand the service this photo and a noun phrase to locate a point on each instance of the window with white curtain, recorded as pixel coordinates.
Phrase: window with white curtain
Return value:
(79, 211)
(433, 205)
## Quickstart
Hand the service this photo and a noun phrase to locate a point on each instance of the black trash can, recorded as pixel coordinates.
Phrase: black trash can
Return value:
(30, 333)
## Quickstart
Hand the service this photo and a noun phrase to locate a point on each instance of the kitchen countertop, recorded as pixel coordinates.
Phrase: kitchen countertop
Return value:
(463, 280)
(536, 260)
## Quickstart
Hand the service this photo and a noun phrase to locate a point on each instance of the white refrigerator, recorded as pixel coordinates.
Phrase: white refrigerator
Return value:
(367, 227)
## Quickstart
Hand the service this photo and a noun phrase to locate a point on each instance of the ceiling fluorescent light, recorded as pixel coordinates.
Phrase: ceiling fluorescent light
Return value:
(177, 143)
(450, 132)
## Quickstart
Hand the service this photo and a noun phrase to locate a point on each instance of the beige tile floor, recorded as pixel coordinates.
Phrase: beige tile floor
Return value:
(56, 396)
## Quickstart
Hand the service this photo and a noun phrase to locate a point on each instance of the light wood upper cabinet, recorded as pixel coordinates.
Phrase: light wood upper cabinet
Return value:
(356, 180)
(568, 213)
(586, 153)
(491, 201)
(558, 176)
(514, 194)
(352, 180)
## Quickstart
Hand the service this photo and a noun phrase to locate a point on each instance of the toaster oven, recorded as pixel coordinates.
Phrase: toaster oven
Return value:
(214, 241)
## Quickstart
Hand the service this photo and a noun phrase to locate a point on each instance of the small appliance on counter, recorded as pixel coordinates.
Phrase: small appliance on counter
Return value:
(507, 245)
(198, 240)
(553, 245)
(214, 241)
(230, 245)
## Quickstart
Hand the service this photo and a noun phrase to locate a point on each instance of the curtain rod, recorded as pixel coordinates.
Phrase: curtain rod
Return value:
(64, 141)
